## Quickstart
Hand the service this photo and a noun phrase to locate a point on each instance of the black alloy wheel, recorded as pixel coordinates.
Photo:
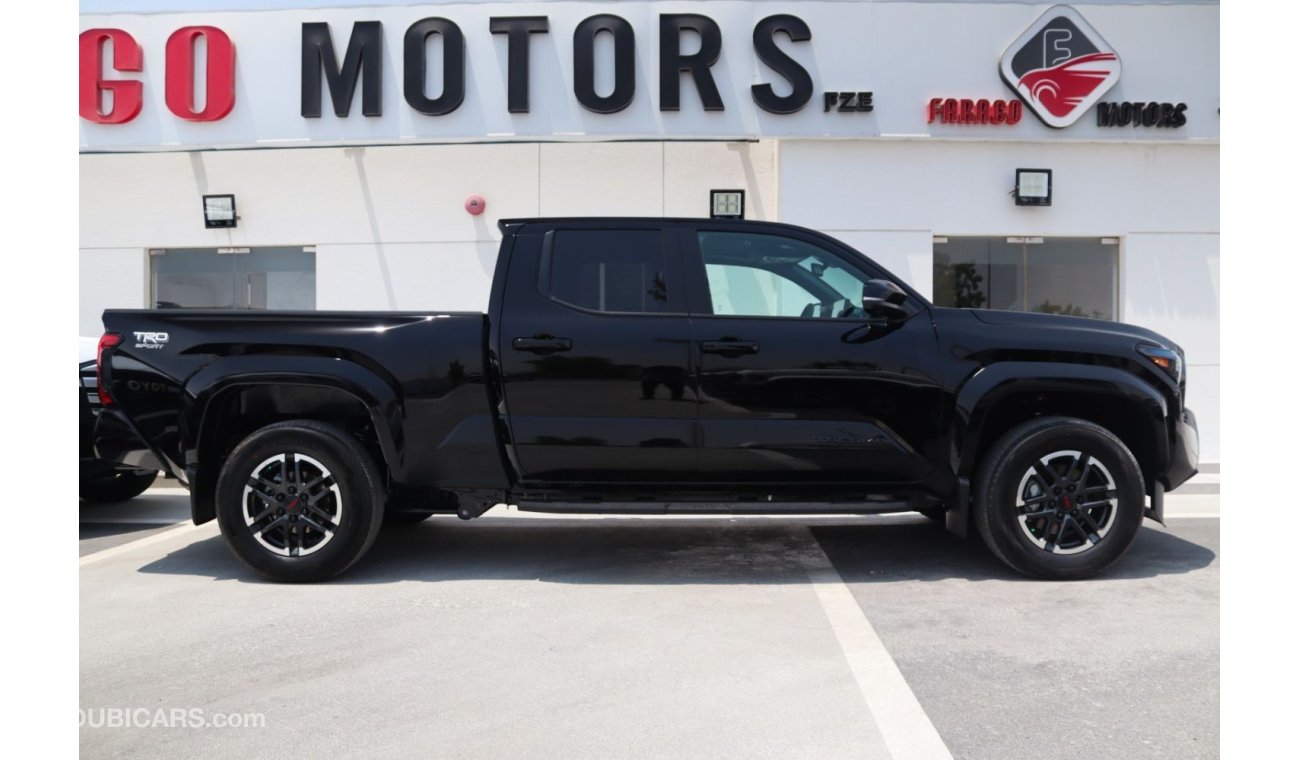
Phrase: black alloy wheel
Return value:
(300, 501)
(292, 504)
(1059, 498)
(1067, 502)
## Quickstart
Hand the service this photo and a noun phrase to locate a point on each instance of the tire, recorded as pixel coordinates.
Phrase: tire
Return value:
(1027, 510)
(115, 486)
(283, 536)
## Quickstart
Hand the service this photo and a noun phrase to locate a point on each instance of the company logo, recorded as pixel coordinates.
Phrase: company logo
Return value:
(151, 339)
(1060, 67)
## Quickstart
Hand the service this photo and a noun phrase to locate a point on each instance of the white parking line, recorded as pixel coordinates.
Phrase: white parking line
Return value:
(139, 543)
(1192, 505)
(903, 724)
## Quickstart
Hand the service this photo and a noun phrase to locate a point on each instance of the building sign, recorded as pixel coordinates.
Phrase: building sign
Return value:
(464, 72)
(1060, 66)
(1141, 114)
(968, 111)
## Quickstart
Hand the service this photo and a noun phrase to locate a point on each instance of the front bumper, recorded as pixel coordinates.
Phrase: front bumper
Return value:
(1185, 453)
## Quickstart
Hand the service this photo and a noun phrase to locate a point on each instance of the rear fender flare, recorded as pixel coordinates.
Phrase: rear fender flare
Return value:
(381, 400)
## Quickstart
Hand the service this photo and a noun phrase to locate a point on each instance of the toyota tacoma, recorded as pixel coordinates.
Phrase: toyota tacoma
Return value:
(664, 366)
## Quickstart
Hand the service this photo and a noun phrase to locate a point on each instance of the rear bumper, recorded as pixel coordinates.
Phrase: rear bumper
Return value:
(117, 441)
(1185, 453)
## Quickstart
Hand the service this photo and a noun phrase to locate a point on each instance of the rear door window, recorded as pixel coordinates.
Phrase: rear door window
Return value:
(615, 271)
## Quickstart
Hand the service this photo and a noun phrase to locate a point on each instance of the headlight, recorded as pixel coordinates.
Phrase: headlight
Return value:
(1166, 359)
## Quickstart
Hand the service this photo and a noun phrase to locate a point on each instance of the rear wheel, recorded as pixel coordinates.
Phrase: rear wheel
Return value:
(115, 486)
(1059, 498)
(300, 501)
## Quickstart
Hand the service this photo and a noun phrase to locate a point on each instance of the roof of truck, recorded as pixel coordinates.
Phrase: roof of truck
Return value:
(502, 224)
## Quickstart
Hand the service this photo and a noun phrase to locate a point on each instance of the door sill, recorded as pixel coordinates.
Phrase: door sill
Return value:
(714, 507)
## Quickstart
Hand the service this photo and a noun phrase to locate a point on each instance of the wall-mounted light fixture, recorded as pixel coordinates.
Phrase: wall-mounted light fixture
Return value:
(1033, 187)
(219, 211)
(727, 204)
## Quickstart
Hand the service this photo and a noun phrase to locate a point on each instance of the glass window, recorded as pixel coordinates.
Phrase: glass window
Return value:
(610, 270)
(262, 278)
(761, 275)
(1074, 276)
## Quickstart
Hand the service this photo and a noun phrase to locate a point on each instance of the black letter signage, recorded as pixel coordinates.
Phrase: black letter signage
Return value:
(672, 63)
(453, 66)
(517, 30)
(584, 63)
(364, 59)
(774, 57)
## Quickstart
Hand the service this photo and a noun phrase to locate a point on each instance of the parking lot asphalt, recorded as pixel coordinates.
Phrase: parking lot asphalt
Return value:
(525, 636)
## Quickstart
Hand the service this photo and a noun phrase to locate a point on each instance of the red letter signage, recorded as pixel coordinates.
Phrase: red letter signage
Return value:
(180, 73)
(126, 93)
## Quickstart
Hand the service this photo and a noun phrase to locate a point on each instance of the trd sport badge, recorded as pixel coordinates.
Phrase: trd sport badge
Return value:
(1060, 66)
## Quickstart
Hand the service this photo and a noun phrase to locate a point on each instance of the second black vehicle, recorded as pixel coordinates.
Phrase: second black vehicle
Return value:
(662, 366)
(102, 481)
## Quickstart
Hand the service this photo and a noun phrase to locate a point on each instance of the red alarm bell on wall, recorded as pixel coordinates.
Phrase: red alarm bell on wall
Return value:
(475, 204)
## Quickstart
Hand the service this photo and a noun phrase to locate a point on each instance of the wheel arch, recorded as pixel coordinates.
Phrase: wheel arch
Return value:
(1001, 396)
(249, 393)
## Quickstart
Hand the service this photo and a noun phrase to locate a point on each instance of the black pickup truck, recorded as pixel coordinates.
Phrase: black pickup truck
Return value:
(655, 366)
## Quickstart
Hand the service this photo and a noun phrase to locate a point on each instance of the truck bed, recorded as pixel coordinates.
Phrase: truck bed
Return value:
(418, 375)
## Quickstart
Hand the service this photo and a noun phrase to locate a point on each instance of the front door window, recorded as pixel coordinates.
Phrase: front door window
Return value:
(757, 275)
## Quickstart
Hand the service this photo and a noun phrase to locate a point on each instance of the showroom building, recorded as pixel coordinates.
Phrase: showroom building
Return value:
(340, 154)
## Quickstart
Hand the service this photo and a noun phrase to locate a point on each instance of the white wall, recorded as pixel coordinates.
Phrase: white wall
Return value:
(388, 223)
(889, 198)
(109, 278)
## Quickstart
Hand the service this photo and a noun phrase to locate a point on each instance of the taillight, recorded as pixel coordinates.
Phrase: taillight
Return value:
(107, 340)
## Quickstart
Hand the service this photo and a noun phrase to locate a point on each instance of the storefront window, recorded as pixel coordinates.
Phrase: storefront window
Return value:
(1074, 276)
(254, 278)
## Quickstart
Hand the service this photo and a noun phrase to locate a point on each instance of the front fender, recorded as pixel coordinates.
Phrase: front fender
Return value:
(991, 385)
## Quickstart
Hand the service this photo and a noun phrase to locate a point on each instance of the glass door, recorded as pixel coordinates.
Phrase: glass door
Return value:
(270, 278)
(1074, 276)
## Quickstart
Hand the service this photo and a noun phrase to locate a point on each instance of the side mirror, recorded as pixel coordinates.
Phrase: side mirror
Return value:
(882, 299)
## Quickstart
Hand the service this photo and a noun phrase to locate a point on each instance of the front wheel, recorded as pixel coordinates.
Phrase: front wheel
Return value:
(300, 501)
(1059, 498)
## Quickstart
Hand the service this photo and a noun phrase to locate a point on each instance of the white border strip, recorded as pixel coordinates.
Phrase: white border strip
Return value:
(903, 724)
(1205, 505)
(140, 543)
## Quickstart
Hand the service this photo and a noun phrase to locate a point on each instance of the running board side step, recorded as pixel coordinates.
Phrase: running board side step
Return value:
(714, 508)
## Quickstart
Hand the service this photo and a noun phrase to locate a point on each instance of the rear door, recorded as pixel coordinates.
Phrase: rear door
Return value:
(594, 347)
(796, 384)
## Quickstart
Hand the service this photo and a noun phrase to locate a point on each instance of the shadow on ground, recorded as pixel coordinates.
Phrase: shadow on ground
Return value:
(909, 553)
(644, 552)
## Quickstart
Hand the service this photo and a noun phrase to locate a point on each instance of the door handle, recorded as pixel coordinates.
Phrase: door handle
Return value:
(542, 344)
(728, 347)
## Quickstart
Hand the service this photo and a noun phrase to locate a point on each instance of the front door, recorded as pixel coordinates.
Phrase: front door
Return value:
(594, 347)
(796, 384)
